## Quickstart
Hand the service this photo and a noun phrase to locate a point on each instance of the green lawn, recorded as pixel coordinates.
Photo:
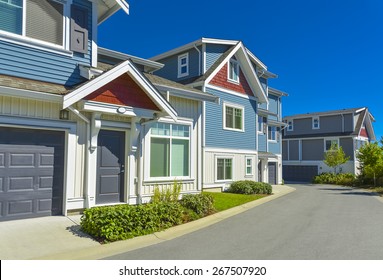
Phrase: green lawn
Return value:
(223, 201)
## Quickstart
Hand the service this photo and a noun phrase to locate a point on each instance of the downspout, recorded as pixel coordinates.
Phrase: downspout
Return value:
(342, 123)
(87, 145)
(199, 59)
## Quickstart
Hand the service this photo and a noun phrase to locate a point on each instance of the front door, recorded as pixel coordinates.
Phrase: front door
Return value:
(110, 167)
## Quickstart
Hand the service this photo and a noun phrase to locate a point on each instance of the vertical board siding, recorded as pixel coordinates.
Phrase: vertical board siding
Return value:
(213, 53)
(185, 107)
(32, 63)
(216, 136)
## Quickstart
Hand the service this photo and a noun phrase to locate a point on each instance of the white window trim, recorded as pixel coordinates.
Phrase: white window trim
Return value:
(330, 139)
(225, 104)
(216, 168)
(312, 122)
(262, 127)
(228, 71)
(246, 166)
(292, 125)
(180, 57)
(192, 159)
(39, 44)
(276, 134)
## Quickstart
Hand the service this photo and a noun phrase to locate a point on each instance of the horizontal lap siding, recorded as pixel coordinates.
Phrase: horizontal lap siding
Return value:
(213, 53)
(274, 148)
(262, 143)
(216, 136)
(31, 63)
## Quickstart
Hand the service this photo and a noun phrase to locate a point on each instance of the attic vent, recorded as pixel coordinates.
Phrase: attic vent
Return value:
(79, 30)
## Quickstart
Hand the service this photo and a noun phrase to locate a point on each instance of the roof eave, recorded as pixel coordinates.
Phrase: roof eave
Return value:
(119, 4)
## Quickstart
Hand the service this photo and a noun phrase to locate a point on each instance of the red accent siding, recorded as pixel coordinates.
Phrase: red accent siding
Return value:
(221, 80)
(123, 91)
(363, 132)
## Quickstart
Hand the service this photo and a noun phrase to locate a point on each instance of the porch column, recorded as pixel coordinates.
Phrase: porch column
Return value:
(134, 161)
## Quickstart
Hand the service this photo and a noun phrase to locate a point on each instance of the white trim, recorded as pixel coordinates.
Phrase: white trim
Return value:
(180, 65)
(276, 132)
(234, 106)
(230, 151)
(313, 119)
(216, 157)
(236, 65)
(330, 139)
(94, 53)
(247, 166)
(30, 94)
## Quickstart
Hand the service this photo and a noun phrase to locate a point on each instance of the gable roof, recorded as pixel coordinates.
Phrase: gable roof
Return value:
(107, 8)
(325, 113)
(127, 67)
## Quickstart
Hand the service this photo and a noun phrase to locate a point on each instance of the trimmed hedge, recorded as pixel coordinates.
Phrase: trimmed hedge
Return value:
(250, 187)
(201, 204)
(119, 222)
(345, 179)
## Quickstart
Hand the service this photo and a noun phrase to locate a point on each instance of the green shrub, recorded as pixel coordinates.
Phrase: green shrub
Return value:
(250, 187)
(119, 222)
(167, 194)
(202, 204)
(345, 179)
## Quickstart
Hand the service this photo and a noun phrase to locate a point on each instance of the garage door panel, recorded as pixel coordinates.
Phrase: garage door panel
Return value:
(31, 173)
(299, 173)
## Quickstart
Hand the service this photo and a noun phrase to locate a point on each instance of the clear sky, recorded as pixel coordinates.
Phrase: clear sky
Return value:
(328, 54)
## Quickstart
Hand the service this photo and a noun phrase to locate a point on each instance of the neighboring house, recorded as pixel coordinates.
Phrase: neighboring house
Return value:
(82, 126)
(308, 136)
(241, 138)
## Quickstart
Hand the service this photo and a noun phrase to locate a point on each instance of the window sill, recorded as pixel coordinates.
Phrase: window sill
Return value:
(33, 43)
(233, 81)
(167, 180)
(224, 181)
(233, 129)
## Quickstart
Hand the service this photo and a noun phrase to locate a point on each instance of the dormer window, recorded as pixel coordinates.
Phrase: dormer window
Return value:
(233, 71)
(315, 124)
(183, 65)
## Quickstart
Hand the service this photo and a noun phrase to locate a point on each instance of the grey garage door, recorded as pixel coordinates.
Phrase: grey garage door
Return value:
(299, 173)
(272, 173)
(31, 173)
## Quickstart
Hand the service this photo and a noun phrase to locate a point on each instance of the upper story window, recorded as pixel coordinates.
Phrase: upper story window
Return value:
(262, 124)
(183, 65)
(290, 125)
(233, 71)
(331, 143)
(272, 133)
(316, 124)
(233, 117)
(169, 150)
(42, 20)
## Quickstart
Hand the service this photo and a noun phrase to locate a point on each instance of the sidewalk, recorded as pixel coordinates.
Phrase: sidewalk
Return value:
(60, 238)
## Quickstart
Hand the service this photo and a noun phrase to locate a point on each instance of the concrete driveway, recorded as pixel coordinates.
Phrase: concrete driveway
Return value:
(316, 222)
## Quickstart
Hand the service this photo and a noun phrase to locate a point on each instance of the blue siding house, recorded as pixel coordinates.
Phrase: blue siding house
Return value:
(81, 125)
(241, 138)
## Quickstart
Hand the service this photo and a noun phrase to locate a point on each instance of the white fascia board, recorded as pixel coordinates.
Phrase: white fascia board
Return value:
(219, 41)
(30, 94)
(124, 5)
(141, 61)
(188, 94)
(277, 92)
(256, 59)
(119, 4)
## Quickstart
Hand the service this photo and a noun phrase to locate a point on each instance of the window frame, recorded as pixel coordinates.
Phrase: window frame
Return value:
(332, 140)
(313, 122)
(238, 107)
(181, 65)
(171, 137)
(23, 39)
(224, 157)
(251, 166)
(229, 71)
(272, 130)
(290, 125)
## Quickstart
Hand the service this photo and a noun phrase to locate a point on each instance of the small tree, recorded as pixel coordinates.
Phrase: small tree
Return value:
(335, 157)
(370, 157)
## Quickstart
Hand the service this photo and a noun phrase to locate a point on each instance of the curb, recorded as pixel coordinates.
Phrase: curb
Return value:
(102, 251)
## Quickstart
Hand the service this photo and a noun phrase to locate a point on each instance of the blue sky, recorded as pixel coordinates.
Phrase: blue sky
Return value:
(328, 54)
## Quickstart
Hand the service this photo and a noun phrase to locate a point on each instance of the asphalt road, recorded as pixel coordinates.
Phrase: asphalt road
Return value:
(312, 223)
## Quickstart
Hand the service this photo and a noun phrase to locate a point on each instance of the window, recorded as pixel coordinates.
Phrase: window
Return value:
(38, 19)
(290, 126)
(315, 122)
(169, 150)
(272, 135)
(249, 166)
(183, 65)
(262, 124)
(224, 169)
(233, 117)
(329, 142)
(233, 71)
